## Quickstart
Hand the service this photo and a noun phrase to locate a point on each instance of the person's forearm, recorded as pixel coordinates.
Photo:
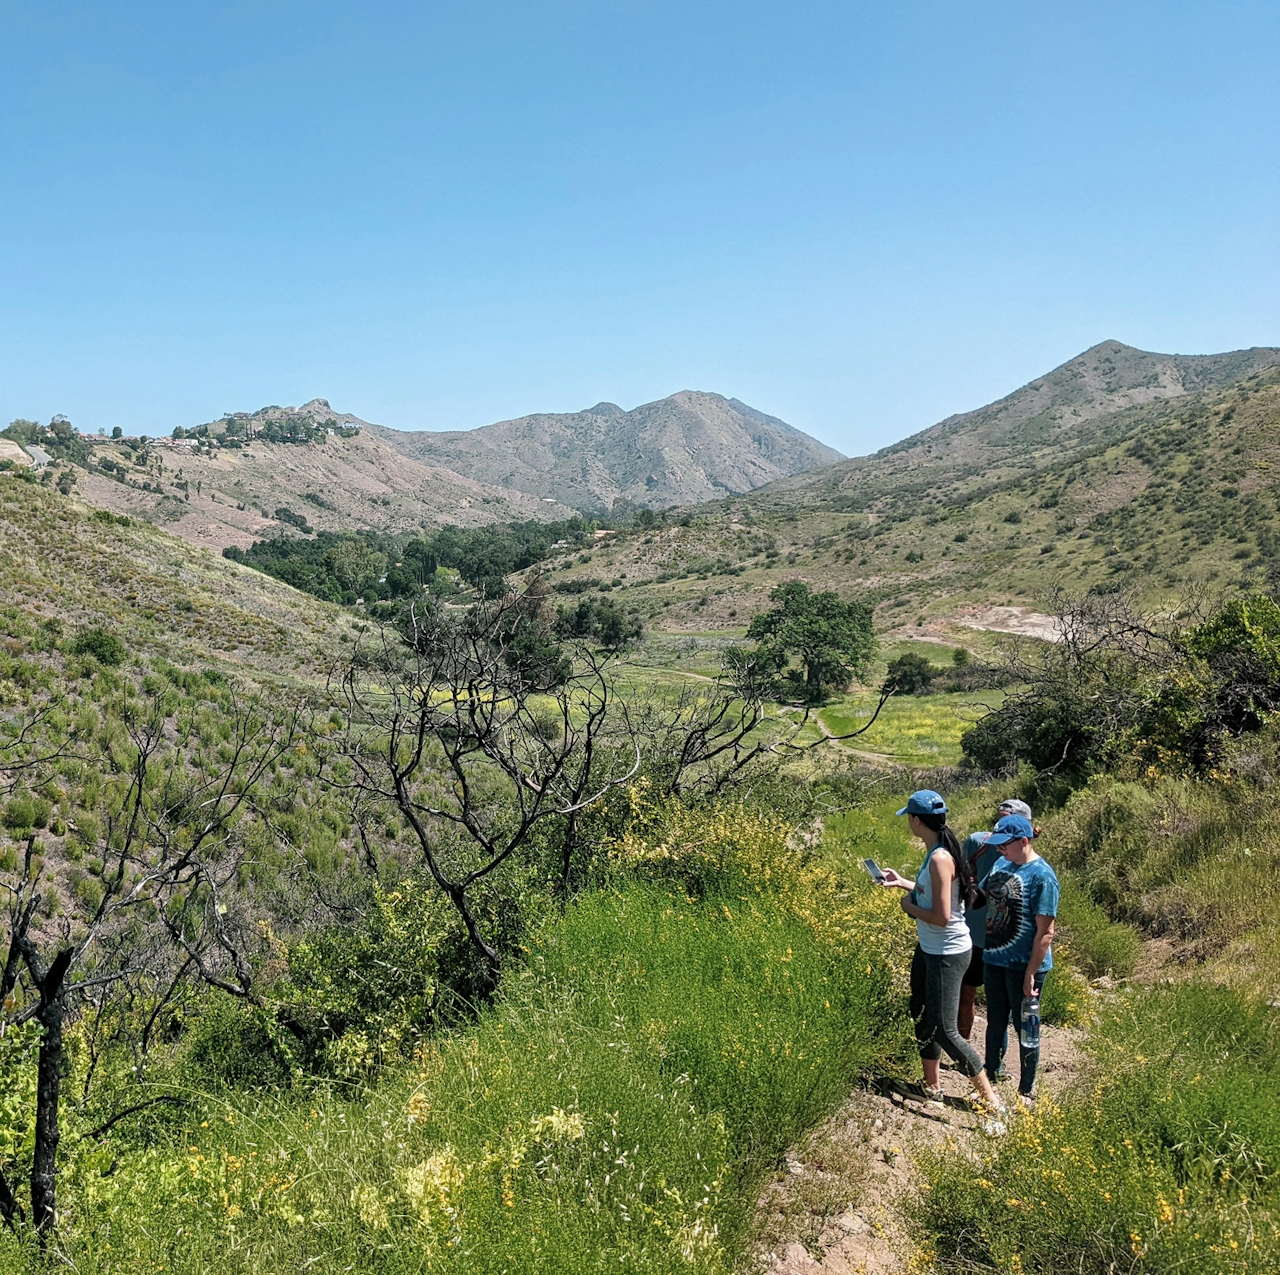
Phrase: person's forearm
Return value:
(1038, 950)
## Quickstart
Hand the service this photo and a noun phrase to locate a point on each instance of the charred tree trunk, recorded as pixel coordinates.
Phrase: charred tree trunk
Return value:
(566, 856)
(10, 1209)
(44, 1163)
(488, 953)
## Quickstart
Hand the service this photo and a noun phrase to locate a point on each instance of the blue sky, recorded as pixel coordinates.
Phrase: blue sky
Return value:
(858, 217)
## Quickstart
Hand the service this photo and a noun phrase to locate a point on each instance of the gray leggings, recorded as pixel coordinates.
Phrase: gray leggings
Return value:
(935, 1000)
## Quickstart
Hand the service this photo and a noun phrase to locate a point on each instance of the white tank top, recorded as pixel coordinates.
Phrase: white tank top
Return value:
(940, 940)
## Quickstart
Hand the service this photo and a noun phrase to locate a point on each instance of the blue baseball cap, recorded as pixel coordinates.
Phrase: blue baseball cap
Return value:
(1010, 828)
(925, 802)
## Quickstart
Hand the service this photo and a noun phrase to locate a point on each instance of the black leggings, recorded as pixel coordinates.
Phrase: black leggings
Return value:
(935, 1000)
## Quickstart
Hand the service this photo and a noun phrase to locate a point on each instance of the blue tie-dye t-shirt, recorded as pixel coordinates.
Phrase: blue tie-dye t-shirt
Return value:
(1016, 895)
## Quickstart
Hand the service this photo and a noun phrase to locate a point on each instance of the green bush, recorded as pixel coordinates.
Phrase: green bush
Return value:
(1097, 945)
(909, 675)
(23, 812)
(105, 647)
(1166, 1158)
(232, 1046)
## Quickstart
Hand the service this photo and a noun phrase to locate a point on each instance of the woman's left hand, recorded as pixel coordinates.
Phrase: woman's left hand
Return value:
(1029, 985)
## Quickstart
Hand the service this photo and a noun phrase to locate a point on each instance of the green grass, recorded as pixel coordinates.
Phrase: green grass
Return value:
(63, 568)
(912, 730)
(1195, 862)
(1165, 1158)
(617, 1110)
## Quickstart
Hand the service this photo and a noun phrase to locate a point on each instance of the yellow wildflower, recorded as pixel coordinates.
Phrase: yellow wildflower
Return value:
(561, 1125)
(373, 1212)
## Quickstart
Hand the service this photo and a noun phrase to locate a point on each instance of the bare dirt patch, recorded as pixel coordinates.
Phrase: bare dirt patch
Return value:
(1021, 621)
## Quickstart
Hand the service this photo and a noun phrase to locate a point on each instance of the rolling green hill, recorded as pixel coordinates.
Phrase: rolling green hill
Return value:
(64, 566)
(1071, 410)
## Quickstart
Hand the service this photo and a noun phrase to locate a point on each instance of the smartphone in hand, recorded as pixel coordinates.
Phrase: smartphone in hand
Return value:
(874, 869)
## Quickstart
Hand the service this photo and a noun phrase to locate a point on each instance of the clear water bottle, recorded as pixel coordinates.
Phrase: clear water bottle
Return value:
(1029, 1034)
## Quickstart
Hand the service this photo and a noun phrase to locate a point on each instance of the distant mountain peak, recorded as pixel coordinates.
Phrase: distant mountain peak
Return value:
(1067, 410)
(688, 447)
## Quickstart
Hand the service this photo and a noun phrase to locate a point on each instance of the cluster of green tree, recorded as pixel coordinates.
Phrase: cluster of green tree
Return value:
(1123, 692)
(239, 430)
(286, 515)
(599, 620)
(58, 438)
(341, 567)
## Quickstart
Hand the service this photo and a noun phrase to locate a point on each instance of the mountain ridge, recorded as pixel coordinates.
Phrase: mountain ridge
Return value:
(1142, 485)
(1043, 421)
(686, 448)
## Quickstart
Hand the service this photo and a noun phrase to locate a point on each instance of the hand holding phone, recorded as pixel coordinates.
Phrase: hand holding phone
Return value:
(874, 869)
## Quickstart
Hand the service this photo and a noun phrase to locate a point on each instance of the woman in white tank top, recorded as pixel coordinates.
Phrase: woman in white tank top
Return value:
(952, 938)
(936, 901)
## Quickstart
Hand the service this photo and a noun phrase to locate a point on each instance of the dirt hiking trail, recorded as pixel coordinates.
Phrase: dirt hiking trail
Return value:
(839, 1205)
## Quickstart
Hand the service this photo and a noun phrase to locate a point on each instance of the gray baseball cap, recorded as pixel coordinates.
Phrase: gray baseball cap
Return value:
(1015, 807)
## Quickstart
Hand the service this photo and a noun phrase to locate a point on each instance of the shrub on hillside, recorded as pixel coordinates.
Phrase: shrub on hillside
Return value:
(1225, 683)
(105, 647)
(23, 812)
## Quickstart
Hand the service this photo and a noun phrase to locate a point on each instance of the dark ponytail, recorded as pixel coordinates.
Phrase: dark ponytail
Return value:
(949, 842)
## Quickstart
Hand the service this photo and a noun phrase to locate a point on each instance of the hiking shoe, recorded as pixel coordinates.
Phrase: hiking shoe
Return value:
(932, 1095)
(1028, 1101)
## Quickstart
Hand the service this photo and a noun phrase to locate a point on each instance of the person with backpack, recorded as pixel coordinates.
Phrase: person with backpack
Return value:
(936, 900)
(1021, 892)
(981, 855)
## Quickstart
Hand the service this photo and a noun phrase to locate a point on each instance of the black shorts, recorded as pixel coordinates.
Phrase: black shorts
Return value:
(973, 976)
